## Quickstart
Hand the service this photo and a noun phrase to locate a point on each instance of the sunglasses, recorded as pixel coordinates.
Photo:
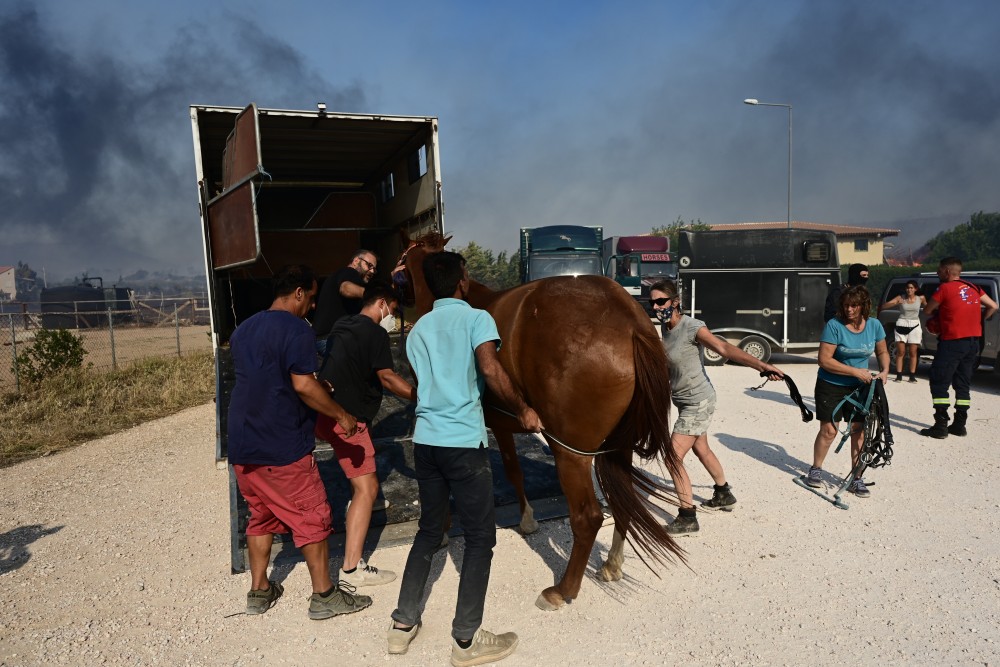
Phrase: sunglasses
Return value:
(661, 302)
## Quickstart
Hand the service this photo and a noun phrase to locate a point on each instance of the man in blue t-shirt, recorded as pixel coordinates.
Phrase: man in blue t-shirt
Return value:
(453, 352)
(272, 413)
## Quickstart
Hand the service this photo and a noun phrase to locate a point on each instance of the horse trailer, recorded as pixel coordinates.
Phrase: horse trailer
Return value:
(283, 187)
(759, 289)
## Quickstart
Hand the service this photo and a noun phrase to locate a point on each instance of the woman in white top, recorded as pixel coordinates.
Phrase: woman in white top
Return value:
(907, 331)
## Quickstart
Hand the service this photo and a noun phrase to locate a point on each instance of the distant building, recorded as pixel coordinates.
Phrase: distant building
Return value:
(862, 245)
(8, 283)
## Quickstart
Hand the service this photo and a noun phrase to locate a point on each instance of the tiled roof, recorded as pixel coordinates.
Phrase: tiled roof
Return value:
(5, 269)
(839, 230)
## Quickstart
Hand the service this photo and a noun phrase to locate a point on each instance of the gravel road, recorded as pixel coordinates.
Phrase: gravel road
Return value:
(117, 553)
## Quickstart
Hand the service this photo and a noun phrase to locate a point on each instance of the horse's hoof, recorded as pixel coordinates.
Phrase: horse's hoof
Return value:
(608, 573)
(549, 600)
(529, 526)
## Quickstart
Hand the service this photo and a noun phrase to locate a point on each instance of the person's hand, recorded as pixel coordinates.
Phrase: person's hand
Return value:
(864, 375)
(349, 424)
(883, 376)
(772, 372)
(530, 420)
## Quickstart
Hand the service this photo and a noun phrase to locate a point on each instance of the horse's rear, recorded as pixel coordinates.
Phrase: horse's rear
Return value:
(590, 362)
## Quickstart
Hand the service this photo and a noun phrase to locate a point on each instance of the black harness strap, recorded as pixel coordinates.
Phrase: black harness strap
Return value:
(793, 392)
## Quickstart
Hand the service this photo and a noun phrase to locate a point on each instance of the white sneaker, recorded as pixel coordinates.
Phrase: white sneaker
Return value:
(367, 575)
(486, 647)
(399, 640)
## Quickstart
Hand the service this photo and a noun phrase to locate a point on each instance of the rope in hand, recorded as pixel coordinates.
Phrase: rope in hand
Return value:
(793, 392)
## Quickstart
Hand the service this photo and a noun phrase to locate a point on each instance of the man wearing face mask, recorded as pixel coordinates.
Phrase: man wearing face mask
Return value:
(359, 365)
(857, 274)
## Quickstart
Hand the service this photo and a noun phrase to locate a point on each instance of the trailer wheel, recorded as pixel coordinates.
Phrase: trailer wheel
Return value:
(756, 347)
(711, 357)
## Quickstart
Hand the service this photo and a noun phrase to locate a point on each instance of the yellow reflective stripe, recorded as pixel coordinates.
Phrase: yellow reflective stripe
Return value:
(941, 401)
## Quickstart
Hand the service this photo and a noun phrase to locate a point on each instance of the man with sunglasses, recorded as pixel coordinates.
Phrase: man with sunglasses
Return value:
(342, 294)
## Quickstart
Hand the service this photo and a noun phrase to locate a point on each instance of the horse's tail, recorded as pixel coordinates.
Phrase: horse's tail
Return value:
(644, 429)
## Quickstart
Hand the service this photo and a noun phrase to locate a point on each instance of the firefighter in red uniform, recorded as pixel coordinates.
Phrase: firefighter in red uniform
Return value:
(958, 308)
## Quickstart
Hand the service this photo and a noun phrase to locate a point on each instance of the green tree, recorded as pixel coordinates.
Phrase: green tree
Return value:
(495, 271)
(672, 230)
(977, 239)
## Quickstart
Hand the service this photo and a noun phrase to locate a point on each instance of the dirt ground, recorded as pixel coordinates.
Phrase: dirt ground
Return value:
(117, 553)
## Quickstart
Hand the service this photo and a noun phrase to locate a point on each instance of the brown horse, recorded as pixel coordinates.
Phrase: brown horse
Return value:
(588, 360)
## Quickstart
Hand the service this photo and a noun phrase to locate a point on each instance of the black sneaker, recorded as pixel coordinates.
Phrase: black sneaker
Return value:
(913, 379)
(260, 601)
(683, 525)
(722, 499)
(899, 377)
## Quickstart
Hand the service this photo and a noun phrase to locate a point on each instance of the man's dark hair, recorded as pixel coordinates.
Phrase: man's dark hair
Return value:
(376, 290)
(443, 272)
(292, 276)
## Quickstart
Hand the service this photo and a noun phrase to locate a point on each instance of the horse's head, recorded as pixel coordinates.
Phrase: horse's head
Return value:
(410, 280)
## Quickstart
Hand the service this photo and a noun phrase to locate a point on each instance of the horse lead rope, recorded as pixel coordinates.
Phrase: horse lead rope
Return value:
(555, 439)
(793, 392)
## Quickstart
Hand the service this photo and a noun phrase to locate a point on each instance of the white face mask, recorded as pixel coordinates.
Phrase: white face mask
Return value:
(388, 322)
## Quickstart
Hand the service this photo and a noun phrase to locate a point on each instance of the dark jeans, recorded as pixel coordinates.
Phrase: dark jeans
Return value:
(464, 474)
(953, 364)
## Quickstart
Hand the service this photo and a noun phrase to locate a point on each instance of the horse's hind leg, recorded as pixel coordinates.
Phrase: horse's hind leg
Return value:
(512, 468)
(585, 520)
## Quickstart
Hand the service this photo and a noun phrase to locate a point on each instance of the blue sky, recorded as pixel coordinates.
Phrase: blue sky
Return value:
(626, 115)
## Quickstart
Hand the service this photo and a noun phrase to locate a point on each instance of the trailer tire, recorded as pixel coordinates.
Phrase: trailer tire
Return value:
(756, 347)
(711, 357)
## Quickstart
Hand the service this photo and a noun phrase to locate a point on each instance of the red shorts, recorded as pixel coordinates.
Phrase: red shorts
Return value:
(286, 499)
(356, 454)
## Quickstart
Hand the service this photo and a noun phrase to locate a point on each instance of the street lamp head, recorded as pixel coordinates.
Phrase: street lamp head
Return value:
(750, 100)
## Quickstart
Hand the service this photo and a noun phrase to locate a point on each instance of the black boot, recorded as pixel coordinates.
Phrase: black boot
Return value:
(940, 428)
(899, 377)
(686, 523)
(722, 499)
(958, 425)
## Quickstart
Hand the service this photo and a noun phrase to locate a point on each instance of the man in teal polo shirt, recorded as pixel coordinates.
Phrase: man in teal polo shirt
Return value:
(453, 352)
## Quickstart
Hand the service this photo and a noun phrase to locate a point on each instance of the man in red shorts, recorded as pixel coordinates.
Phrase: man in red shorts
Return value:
(358, 364)
(272, 415)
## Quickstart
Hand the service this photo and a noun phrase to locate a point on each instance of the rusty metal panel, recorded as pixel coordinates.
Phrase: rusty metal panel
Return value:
(241, 158)
(232, 228)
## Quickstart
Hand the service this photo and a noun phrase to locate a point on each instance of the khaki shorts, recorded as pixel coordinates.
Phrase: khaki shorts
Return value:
(695, 418)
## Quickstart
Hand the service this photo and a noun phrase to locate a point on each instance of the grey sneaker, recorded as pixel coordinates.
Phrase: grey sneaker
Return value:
(486, 647)
(399, 640)
(722, 499)
(367, 575)
(341, 601)
(812, 479)
(859, 488)
(683, 525)
(260, 601)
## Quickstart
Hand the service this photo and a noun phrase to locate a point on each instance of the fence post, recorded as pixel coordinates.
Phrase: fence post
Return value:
(177, 330)
(111, 328)
(13, 347)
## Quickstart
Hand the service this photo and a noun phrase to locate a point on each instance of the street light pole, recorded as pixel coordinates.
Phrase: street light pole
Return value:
(753, 102)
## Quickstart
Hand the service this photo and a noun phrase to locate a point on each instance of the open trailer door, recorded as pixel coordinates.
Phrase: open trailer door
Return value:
(233, 228)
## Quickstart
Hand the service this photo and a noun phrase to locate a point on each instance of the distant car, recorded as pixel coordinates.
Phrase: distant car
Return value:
(988, 281)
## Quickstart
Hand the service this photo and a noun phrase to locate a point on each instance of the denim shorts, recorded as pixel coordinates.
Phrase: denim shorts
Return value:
(694, 419)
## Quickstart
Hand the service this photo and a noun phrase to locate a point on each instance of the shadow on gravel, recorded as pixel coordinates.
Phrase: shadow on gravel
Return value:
(14, 545)
(769, 453)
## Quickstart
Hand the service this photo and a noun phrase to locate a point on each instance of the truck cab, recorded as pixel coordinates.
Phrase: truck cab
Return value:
(637, 262)
(560, 250)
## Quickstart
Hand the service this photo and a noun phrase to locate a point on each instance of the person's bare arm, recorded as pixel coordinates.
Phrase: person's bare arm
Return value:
(733, 353)
(890, 303)
(351, 291)
(882, 356)
(991, 306)
(931, 306)
(831, 365)
(316, 397)
(392, 381)
(499, 383)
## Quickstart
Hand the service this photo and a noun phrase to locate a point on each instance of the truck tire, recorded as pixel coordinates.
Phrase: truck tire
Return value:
(756, 347)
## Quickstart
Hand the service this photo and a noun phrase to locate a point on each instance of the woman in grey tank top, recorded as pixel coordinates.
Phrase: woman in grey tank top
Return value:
(692, 393)
(907, 330)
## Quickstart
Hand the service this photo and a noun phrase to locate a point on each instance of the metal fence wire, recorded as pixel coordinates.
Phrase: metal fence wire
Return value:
(112, 338)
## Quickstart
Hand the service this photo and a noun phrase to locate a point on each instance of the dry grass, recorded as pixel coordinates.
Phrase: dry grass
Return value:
(81, 405)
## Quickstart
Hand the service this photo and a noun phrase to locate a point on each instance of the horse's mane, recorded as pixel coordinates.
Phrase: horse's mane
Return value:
(432, 240)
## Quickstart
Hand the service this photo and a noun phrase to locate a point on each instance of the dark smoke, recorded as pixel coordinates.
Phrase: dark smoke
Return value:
(97, 158)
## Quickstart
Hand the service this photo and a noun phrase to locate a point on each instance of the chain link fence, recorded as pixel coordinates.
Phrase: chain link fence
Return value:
(112, 337)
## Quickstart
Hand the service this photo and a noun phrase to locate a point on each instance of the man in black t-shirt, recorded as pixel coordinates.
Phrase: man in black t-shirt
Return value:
(342, 294)
(359, 365)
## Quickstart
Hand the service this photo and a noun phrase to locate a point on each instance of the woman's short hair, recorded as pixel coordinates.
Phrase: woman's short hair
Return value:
(854, 296)
(668, 287)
